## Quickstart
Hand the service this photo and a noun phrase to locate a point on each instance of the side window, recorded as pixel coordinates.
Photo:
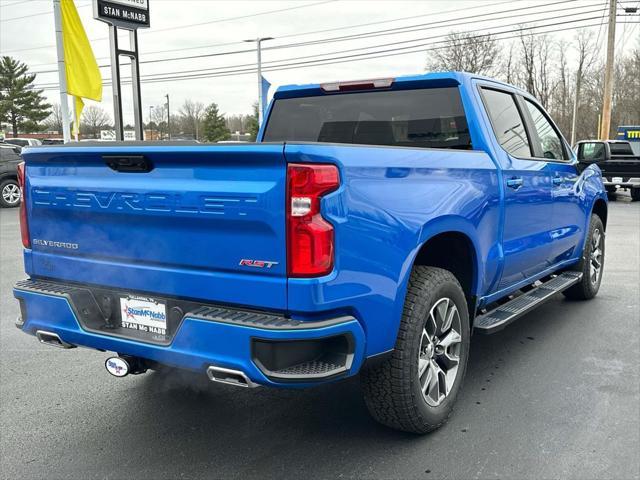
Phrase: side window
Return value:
(550, 142)
(507, 122)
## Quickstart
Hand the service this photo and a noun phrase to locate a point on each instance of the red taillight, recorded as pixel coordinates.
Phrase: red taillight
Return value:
(310, 241)
(24, 226)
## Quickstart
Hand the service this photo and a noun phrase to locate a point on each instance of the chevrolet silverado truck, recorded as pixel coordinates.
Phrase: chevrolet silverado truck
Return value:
(371, 229)
(619, 165)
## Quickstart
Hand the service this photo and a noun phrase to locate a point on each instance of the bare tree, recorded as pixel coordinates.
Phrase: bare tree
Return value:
(192, 113)
(54, 121)
(465, 52)
(584, 48)
(93, 120)
(536, 55)
(159, 117)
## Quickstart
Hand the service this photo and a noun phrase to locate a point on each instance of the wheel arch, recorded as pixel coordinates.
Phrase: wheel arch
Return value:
(436, 251)
(9, 176)
(601, 209)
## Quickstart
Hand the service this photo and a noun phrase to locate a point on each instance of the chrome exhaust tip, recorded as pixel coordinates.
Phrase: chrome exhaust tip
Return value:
(236, 378)
(52, 339)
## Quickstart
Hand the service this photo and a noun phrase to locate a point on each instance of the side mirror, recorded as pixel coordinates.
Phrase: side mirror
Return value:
(592, 152)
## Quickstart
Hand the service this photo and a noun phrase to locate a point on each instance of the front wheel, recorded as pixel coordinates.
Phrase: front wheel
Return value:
(414, 390)
(591, 265)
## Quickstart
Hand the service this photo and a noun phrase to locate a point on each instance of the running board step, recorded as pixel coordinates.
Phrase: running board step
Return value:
(497, 319)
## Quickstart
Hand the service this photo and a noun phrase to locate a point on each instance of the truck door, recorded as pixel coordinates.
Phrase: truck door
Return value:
(548, 145)
(526, 236)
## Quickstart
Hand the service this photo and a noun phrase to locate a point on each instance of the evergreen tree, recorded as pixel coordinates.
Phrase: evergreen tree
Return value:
(252, 123)
(21, 105)
(214, 125)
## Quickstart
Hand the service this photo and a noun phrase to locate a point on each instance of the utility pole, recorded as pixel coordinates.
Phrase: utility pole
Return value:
(62, 73)
(168, 117)
(608, 73)
(258, 41)
(150, 120)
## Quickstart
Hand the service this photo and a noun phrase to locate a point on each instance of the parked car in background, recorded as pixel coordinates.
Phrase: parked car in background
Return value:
(23, 142)
(374, 226)
(52, 141)
(618, 162)
(9, 188)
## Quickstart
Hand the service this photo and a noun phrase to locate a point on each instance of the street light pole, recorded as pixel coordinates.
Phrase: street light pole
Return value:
(168, 117)
(261, 100)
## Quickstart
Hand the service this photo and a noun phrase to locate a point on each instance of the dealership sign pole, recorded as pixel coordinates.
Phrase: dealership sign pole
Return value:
(127, 15)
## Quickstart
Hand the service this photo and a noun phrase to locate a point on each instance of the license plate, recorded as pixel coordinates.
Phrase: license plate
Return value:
(144, 314)
(616, 180)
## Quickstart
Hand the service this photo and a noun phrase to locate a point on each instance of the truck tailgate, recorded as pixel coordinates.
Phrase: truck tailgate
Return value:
(199, 224)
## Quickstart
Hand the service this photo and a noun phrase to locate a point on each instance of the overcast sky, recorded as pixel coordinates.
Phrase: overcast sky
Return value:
(220, 26)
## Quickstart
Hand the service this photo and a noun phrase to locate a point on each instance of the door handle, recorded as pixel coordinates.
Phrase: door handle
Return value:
(557, 180)
(515, 182)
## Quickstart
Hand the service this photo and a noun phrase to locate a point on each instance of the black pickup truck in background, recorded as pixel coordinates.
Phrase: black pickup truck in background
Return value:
(620, 167)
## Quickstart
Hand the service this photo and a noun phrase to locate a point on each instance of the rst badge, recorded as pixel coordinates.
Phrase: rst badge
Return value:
(245, 262)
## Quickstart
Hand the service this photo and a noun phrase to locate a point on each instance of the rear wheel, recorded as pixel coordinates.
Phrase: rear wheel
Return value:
(591, 265)
(415, 389)
(9, 194)
(635, 194)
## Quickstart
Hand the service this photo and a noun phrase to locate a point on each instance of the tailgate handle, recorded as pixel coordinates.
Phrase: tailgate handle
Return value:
(128, 163)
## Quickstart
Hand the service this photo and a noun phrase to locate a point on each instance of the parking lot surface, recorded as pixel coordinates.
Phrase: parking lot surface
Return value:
(557, 394)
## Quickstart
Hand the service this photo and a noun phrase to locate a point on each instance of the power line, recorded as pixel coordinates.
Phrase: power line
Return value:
(386, 44)
(368, 57)
(150, 32)
(14, 3)
(378, 54)
(4, 20)
(175, 76)
(313, 32)
(407, 29)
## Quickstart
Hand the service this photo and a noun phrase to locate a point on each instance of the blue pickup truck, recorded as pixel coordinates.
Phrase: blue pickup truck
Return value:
(372, 229)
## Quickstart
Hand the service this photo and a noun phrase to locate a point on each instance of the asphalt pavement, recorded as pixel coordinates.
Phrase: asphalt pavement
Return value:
(555, 395)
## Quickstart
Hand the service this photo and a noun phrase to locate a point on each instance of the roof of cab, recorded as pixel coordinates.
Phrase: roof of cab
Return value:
(443, 79)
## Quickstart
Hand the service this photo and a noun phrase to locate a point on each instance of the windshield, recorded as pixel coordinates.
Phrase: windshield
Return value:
(425, 118)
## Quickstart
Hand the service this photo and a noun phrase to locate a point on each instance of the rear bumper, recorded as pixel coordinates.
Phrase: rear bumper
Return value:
(628, 183)
(265, 347)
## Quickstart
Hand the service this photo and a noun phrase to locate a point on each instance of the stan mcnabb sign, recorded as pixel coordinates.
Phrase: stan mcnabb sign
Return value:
(128, 14)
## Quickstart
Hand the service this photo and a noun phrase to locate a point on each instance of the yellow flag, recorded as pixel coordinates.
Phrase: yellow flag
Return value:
(83, 74)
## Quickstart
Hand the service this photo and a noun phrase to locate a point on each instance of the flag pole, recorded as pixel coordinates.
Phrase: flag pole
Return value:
(62, 76)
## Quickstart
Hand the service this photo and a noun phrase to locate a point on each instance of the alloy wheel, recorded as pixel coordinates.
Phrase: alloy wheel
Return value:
(11, 193)
(439, 355)
(595, 261)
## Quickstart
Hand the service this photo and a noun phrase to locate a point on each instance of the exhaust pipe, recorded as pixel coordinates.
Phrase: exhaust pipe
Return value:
(53, 339)
(230, 377)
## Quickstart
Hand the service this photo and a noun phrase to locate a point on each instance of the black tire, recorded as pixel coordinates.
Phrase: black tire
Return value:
(588, 288)
(635, 194)
(8, 190)
(611, 189)
(392, 389)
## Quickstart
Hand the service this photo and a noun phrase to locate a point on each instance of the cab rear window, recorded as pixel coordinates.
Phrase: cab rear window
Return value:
(425, 118)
